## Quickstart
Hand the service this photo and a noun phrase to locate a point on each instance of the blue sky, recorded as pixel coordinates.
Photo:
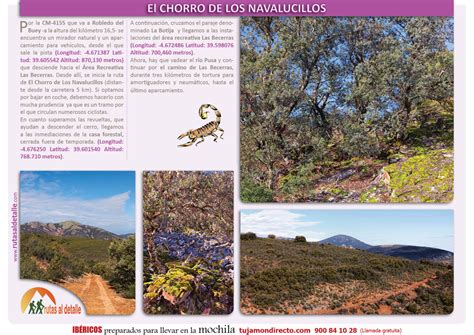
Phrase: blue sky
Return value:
(104, 199)
(431, 228)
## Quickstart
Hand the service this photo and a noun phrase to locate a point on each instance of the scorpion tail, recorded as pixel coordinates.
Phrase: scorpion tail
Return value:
(203, 113)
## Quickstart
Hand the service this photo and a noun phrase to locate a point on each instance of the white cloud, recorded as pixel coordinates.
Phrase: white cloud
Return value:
(107, 213)
(30, 181)
(281, 223)
(48, 186)
(28, 178)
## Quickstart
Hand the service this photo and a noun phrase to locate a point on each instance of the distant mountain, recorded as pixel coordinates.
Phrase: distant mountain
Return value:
(346, 242)
(413, 252)
(124, 236)
(396, 250)
(68, 228)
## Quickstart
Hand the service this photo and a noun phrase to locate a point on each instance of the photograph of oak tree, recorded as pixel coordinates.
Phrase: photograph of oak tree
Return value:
(346, 109)
(188, 219)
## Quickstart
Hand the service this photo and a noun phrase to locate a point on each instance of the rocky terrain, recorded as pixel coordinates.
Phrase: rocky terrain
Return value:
(197, 246)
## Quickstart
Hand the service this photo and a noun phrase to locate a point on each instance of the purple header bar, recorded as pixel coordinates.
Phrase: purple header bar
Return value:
(236, 8)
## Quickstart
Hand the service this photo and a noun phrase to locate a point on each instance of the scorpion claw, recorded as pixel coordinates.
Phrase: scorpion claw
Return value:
(183, 135)
(187, 144)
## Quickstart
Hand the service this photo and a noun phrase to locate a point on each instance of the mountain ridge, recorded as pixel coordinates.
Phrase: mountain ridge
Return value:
(68, 229)
(411, 252)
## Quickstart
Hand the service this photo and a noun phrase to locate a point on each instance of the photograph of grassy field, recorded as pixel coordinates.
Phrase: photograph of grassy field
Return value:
(188, 225)
(77, 231)
(346, 109)
(309, 262)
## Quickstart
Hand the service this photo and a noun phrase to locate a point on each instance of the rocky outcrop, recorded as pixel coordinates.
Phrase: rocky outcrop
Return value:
(197, 246)
(423, 178)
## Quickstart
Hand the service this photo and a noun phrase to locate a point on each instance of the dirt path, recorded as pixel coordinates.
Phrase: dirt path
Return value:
(357, 304)
(98, 297)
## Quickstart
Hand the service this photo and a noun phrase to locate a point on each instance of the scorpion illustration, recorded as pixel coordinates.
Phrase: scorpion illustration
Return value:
(209, 129)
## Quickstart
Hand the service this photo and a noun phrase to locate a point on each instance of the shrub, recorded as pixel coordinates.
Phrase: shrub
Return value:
(35, 246)
(122, 276)
(412, 308)
(400, 298)
(266, 299)
(78, 267)
(298, 181)
(103, 269)
(56, 268)
(282, 273)
(254, 192)
(248, 236)
(357, 143)
(129, 292)
(185, 289)
(29, 269)
(272, 236)
(300, 239)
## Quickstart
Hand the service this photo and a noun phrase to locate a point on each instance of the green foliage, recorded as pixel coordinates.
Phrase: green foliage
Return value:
(423, 178)
(281, 274)
(300, 239)
(187, 203)
(436, 297)
(91, 250)
(254, 192)
(358, 141)
(56, 268)
(326, 90)
(29, 269)
(122, 272)
(194, 288)
(54, 258)
(297, 182)
(36, 246)
(432, 122)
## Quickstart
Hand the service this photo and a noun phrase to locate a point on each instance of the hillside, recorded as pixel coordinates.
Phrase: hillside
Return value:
(67, 228)
(285, 277)
(54, 258)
